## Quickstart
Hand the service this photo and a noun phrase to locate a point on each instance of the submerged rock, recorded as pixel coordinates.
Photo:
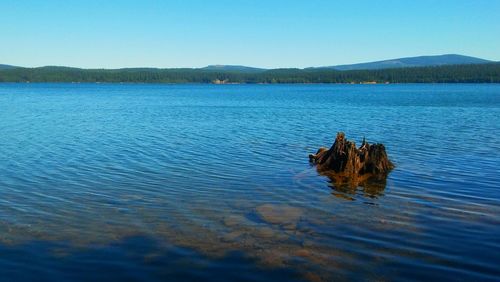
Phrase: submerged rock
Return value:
(235, 220)
(345, 163)
(279, 214)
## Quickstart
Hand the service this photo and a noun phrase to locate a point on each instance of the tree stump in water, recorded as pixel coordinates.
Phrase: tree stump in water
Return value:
(344, 163)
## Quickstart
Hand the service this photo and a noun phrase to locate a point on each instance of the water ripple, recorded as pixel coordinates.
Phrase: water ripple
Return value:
(212, 169)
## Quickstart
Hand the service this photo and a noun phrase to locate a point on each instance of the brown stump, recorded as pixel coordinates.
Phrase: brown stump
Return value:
(344, 163)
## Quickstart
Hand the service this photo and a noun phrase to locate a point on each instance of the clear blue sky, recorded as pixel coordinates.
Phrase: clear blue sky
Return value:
(266, 33)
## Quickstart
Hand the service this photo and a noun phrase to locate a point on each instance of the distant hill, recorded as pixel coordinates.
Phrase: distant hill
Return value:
(232, 68)
(424, 69)
(6, 67)
(463, 73)
(55, 68)
(421, 61)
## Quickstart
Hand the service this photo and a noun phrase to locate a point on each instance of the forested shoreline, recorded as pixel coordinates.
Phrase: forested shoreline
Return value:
(479, 73)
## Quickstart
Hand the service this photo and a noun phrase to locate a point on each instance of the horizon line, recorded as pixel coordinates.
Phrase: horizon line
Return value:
(240, 65)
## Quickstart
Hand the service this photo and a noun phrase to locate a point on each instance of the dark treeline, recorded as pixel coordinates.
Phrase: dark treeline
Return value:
(481, 73)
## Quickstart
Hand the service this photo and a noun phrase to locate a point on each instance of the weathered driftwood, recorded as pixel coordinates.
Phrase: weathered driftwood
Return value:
(344, 163)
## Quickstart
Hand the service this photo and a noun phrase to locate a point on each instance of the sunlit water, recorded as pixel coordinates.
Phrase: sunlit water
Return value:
(204, 182)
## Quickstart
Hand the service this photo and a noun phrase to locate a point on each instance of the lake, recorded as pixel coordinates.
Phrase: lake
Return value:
(142, 182)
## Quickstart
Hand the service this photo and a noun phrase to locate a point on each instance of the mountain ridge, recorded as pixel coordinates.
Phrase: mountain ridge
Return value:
(232, 68)
(405, 62)
(472, 73)
(418, 61)
(7, 67)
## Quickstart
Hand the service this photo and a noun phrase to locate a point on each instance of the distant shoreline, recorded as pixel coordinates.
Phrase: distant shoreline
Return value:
(241, 84)
(477, 73)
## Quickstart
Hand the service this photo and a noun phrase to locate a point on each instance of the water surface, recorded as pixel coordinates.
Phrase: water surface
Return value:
(205, 182)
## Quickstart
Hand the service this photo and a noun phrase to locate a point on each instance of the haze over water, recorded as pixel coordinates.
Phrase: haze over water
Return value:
(190, 182)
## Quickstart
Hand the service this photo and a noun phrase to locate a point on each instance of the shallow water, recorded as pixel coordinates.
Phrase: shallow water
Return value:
(206, 182)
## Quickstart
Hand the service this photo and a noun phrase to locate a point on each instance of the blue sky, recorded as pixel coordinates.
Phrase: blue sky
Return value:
(267, 33)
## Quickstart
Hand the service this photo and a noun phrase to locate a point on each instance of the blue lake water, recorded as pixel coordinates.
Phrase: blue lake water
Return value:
(205, 182)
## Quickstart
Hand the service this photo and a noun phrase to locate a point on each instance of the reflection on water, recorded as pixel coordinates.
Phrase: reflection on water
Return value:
(215, 182)
(371, 188)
